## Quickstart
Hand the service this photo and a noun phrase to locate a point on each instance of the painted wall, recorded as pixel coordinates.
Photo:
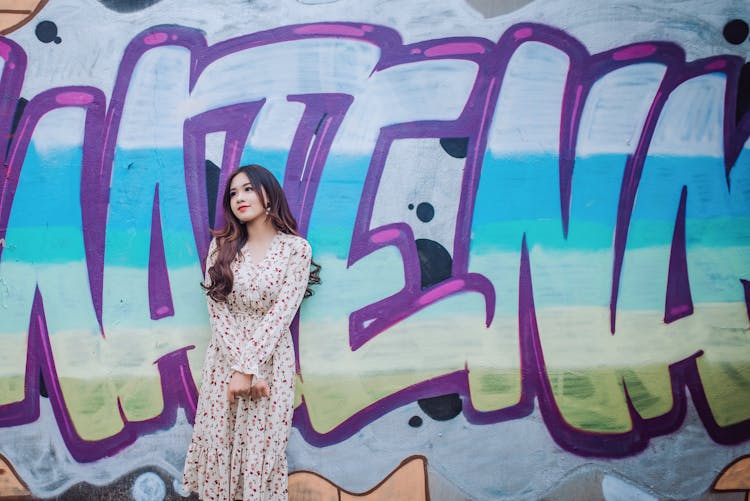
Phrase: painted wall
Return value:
(533, 219)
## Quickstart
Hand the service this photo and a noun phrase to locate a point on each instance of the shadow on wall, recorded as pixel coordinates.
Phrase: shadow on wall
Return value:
(494, 8)
(124, 6)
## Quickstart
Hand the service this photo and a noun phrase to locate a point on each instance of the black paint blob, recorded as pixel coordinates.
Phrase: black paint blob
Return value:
(46, 32)
(455, 146)
(425, 212)
(20, 106)
(212, 190)
(125, 6)
(42, 386)
(442, 408)
(736, 31)
(743, 93)
(415, 422)
(434, 261)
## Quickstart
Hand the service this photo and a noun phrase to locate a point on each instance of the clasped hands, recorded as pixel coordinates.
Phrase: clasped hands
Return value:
(241, 385)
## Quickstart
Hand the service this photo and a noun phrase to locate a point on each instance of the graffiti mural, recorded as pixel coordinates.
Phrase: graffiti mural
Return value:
(535, 243)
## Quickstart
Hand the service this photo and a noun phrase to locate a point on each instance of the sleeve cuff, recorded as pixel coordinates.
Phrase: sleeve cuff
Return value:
(250, 369)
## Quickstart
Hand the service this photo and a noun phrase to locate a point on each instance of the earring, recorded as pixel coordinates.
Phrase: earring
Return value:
(268, 210)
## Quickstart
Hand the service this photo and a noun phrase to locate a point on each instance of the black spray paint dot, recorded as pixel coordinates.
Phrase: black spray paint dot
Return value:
(415, 422)
(411, 206)
(455, 146)
(435, 262)
(46, 32)
(736, 31)
(425, 212)
(441, 408)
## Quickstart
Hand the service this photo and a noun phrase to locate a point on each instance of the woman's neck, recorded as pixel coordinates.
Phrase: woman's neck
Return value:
(260, 230)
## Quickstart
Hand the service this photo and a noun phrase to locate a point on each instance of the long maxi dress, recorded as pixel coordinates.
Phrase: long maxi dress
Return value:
(238, 451)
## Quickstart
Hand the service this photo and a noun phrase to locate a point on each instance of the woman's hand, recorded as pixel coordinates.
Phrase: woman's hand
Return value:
(240, 385)
(260, 389)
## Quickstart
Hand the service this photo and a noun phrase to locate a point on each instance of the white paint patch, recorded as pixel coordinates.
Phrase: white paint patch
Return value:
(420, 171)
(60, 128)
(615, 489)
(149, 487)
(215, 147)
(177, 486)
(425, 90)
(692, 121)
(616, 110)
(527, 115)
(284, 68)
(276, 124)
(155, 108)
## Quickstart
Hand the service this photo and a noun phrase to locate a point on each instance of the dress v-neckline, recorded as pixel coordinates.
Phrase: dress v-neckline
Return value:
(249, 257)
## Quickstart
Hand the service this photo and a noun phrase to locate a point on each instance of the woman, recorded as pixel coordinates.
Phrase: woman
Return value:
(257, 272)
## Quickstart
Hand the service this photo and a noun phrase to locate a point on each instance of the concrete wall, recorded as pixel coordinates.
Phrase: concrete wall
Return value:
(533, 219)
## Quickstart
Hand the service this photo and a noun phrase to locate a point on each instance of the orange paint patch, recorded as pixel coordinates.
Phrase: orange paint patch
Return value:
(408, 481)
(16, 13)
(735, 477)
(307, 485)
(10, 485)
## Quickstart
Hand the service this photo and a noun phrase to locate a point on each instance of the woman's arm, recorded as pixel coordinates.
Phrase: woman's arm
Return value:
(222, 321)
(266, 335)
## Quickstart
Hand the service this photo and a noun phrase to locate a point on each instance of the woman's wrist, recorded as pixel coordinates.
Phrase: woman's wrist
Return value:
(244, 375)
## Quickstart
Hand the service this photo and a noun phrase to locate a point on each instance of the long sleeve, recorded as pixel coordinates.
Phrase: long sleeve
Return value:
(279, 317)
(223, 323)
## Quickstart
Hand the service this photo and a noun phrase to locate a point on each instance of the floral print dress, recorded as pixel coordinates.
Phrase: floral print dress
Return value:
(238, 451)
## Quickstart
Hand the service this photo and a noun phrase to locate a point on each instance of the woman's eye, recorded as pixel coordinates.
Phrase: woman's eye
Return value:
(232, 193)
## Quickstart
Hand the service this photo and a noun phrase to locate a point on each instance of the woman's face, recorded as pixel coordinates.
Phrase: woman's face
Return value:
(245, 201)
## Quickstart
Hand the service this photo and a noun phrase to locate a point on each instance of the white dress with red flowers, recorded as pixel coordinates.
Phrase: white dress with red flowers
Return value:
(238, 451)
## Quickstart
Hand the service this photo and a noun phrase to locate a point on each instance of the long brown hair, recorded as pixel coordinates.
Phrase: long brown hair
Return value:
(231, 238)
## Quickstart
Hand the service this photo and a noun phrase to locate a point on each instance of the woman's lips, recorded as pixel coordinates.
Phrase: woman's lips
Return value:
(243, 207)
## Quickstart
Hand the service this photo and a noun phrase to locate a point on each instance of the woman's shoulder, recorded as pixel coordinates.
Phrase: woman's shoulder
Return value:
(297, 243)
(213, 246)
